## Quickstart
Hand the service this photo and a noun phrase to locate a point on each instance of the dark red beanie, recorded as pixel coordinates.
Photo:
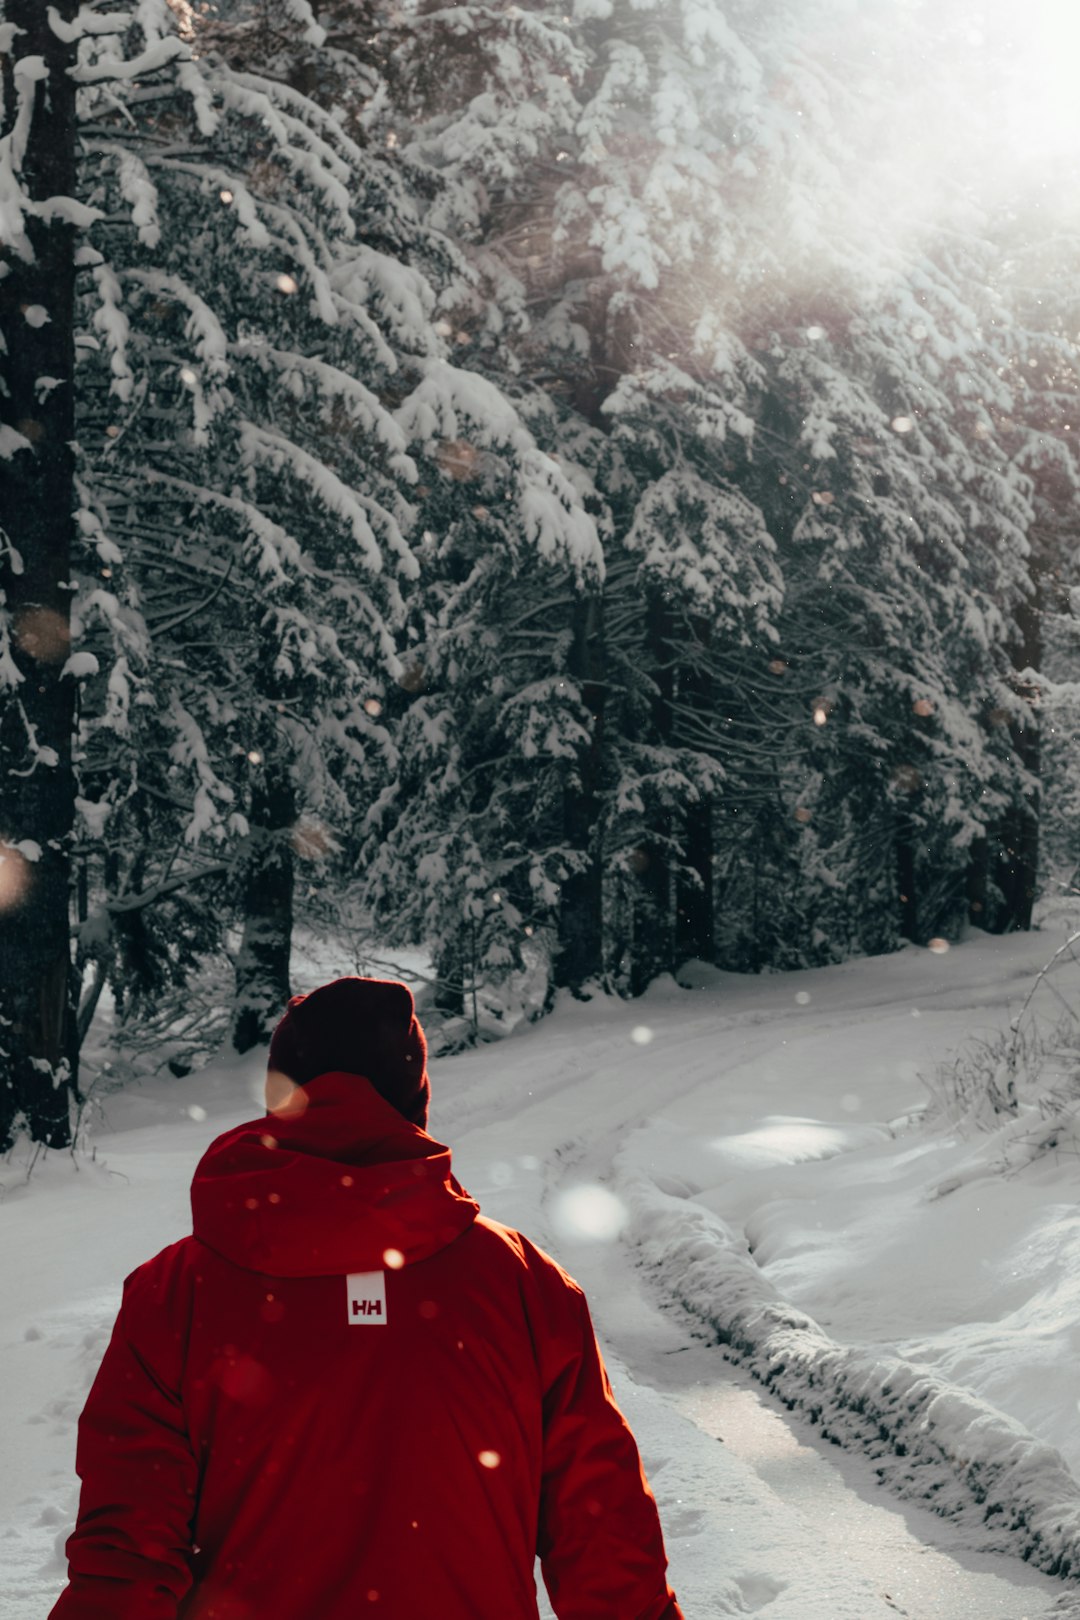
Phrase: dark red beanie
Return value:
(360, 1026)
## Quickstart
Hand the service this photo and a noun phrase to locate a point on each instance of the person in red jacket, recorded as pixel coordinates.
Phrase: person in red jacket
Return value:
(348, 1392)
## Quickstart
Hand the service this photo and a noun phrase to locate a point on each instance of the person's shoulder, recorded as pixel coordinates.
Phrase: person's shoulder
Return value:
(519, 1250)
(165, 1277)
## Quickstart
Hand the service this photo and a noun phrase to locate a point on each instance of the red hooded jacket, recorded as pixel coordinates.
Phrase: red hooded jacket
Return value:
(350, 1393)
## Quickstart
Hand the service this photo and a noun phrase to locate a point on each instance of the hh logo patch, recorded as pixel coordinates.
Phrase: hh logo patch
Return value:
(367, 1298)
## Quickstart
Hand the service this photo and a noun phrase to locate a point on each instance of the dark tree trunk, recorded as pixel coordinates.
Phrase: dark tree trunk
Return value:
(38, 1044)
(1017, 865)
(905, 882)
(976, 884)
(581, 911)
(450, 977)
(653, 950)
(262, 967)
(695, 924)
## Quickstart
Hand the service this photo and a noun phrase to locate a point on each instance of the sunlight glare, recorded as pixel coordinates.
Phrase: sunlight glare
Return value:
(1042, 40)
(589, 1211)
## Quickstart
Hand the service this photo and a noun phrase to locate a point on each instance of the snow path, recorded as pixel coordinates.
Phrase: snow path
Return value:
(771, 1521)
(776, 1521)
(831, 1538)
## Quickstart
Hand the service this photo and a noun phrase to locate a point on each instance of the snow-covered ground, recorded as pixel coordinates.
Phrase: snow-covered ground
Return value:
(723, 1163)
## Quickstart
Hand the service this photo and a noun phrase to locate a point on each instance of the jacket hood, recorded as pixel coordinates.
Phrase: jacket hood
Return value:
(328, 1187)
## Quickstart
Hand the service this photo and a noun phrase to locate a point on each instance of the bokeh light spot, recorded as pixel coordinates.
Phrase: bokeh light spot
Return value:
(16, 875)
(589, 1211)
(457, 459)
(284, 1098)
(42, 634)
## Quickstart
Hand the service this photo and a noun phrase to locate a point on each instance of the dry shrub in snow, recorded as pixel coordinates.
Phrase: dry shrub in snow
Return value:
(1022, 1083)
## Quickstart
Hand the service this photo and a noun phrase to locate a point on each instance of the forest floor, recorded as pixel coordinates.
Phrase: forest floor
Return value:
(742, 1161)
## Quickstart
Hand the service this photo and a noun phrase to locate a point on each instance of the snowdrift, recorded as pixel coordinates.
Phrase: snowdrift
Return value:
(930, 1440)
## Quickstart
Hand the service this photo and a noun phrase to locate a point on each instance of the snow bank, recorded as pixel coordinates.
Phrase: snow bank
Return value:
(930, 1440)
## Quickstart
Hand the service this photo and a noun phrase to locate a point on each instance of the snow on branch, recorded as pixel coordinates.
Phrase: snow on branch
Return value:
(711, 543)
(449, 404)
(210, 178)
(452, 405)
(311, 31)
(211, 344)
(14, 203)
(400, 293)
(312, 158)
(310, 116)
(330, 382)
(66, 209)
(12, 441)
(324, 306)
(552, 520)
(136, 188)
(86, 22)
(190, 749)
(11, 675)
(110, 320)
(267, 448)
(194, 85)
(156, 56)
(277, 546)
(90, 521)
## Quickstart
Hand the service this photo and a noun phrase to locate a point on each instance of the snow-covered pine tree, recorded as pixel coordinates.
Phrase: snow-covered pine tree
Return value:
(38, 216)
(268, 360)
(902, 531)
(735, 284)
(589, 215)
(244, 486)
(901, 516)
(486, 713)
(1034, 844)
(466, 848)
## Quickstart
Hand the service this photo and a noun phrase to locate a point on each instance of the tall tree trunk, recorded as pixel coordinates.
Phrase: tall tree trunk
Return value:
(695, 924)
(38, 1044)
(450, 975)
(905, 883)
(581, 909)
(262, 967)
(975, 884)
(1017, 865)
(653, 949)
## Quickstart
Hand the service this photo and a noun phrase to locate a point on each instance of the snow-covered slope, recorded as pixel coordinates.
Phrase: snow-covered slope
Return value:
(746, 1107)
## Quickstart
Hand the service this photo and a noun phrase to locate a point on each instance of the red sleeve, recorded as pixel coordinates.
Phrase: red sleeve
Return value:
(129, 1557)
(600, 1543)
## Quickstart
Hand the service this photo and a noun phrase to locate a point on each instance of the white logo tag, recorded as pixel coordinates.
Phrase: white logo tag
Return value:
(367, 1298)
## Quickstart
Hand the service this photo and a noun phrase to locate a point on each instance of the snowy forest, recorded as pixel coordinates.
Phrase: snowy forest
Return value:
(573, 490)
